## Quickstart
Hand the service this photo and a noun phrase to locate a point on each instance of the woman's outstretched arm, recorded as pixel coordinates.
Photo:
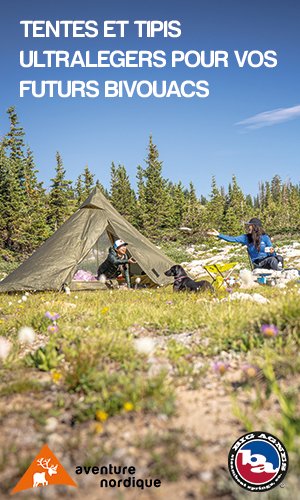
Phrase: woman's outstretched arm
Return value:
(232, 239)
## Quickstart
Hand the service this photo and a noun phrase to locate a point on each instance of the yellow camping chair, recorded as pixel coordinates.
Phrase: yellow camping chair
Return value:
(220, 272)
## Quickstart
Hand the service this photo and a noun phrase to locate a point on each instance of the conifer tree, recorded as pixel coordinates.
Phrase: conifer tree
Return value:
(294, 208)
(88, 181)
(36, 229)
(14, 139)
(276, 187)
(269, 209)
(177, 193)
(14, 142)
(122, 195)
(203, 200)
(12, 206)
(216, 206)
(102, 188)
(83, 186)
(235, 209)
(261, 199)
(249, 203)
(191, 212)
(12, 190)
(140, 204)
(79, 191)
(159, 206)
(61, 198)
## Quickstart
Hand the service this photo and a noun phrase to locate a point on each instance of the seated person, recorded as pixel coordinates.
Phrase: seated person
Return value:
(259, 245)
(116, 263)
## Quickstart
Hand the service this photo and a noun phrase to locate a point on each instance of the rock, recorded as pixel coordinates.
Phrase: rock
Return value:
(55, 441)
(256, 297)
(205, 476)
(157, 366)
(51, 425)
(247, 279)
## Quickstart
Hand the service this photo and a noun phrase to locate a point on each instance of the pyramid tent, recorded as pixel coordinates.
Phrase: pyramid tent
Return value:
(53, 265)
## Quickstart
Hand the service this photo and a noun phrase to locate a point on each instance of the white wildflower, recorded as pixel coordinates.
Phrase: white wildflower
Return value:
(24, 298)
(145, 345)
(26, 335)
(5, 346)
(138, 280)
(102, 278)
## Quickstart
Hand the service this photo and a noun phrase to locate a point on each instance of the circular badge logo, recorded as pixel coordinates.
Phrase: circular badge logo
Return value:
(258, 461)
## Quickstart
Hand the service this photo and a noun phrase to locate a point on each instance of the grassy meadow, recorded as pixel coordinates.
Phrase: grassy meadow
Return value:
(165, 382)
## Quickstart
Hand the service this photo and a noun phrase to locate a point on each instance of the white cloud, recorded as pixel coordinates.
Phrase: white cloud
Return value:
(269, 118)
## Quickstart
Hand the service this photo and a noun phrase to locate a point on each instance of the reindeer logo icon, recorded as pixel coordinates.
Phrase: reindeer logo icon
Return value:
(39, 477)
(44, 469)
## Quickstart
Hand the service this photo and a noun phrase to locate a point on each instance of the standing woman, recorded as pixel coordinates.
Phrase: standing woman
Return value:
(259, 245)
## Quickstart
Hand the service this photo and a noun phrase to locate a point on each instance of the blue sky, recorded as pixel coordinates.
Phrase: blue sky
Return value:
(248, 126)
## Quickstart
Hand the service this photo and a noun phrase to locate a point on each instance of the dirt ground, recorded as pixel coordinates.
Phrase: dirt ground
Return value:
(190, 448)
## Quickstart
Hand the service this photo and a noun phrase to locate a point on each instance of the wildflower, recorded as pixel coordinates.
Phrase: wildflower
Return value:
(128, 406)
(5, 347)
(250, 370)
(76, 297)
(56, 376)
(24, 298)
(98, 428)
(52, 328)
(269, 330)
(138, 280)
(169, 302)
(144, 345)
(102, 278)
(52, 316)
(104, 310)
(101, 415)
(26, 335)
(220, 367)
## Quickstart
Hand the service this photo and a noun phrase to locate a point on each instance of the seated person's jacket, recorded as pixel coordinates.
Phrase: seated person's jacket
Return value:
(252, 250)
(112, 266)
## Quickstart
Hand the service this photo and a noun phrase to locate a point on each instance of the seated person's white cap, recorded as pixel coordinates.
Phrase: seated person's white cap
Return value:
(119, 243)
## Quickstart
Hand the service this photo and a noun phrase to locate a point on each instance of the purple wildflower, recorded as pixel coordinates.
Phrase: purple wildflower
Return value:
(269, 330)
(52, 316)
(52, 328)
(220, 367)
(250, 370)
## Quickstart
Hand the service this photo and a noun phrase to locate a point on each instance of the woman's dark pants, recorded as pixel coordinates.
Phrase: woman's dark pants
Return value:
(269, 263)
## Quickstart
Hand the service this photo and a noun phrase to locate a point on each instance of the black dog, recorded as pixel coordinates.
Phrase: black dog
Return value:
(183, 283)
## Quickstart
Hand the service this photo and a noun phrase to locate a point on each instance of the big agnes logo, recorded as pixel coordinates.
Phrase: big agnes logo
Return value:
(258, 461)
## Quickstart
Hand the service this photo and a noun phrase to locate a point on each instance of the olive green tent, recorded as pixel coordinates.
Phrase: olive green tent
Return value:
(82, 242)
